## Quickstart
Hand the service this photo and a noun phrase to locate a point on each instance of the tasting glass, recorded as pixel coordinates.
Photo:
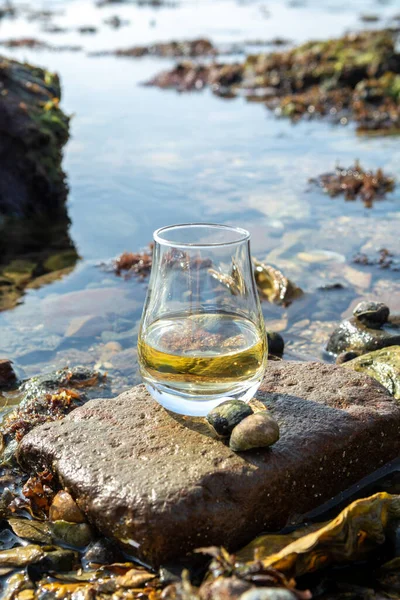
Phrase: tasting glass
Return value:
(202, 336)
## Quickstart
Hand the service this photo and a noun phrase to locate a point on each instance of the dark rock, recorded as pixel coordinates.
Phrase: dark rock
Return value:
(101, 552)
(7, 374)
(355, 336)
(276, 344)
(33, 130)
(162, 485)
(345, 357)
(227, 415)
(372, 314)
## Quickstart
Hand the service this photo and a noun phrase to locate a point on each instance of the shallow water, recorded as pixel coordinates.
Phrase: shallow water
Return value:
(140, 158)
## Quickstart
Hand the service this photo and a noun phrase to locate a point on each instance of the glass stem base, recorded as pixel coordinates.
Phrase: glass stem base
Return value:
(197, 406)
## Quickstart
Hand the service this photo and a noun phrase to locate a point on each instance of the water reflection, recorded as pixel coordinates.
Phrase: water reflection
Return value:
(141, 158)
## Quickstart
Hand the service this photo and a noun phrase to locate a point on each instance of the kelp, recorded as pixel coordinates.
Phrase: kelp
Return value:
(355, 532)
(267, 568)
(355, 182)
(355, 77)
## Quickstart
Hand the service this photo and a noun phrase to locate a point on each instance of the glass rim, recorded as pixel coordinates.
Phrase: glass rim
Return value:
(243, 235)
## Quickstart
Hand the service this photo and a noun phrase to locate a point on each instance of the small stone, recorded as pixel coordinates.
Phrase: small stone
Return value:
(372, 313)
(77, 535)
(276, 344)
(7, 375)
(101, 552)
(64, 508)
(345, 357)
(227, 415)
(259, 430)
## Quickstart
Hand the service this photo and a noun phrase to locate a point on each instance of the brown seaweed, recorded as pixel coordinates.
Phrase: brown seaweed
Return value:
(356, 182)
(356, 77)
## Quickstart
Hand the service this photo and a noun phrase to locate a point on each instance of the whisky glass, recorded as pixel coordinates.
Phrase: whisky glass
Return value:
(202, 337)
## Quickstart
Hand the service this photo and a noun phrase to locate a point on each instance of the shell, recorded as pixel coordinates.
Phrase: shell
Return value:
(227, 415)
(369, 313)
(259, 430)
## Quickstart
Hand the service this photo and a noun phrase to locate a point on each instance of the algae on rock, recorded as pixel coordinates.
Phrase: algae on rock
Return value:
(33, 131)
(383, 365)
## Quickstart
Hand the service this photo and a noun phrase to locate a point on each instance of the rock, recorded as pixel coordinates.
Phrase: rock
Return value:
(60, 261)
(101, 552)
(345, 357)
(372, 314)
(227, 415)
(256, 431)
(7, 374)
(64, 508)
(33, 130)
(77, 535)
(162, 485)
(355, 336)
(276, 344)
(383, 365)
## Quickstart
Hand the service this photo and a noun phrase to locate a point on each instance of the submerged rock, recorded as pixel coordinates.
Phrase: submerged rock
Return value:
(161, 485)
(383, 365)
(369, 329)
(274, 286)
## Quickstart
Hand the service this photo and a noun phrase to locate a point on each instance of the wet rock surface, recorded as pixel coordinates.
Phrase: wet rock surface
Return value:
(383, 365)
(163, 485)
(365, 332)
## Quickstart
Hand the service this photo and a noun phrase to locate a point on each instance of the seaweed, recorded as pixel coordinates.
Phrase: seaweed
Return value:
(356, 182)
(133, 263)
(352, 78)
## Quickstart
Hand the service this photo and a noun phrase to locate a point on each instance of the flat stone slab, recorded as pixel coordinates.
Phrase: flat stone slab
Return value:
(163, 485)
